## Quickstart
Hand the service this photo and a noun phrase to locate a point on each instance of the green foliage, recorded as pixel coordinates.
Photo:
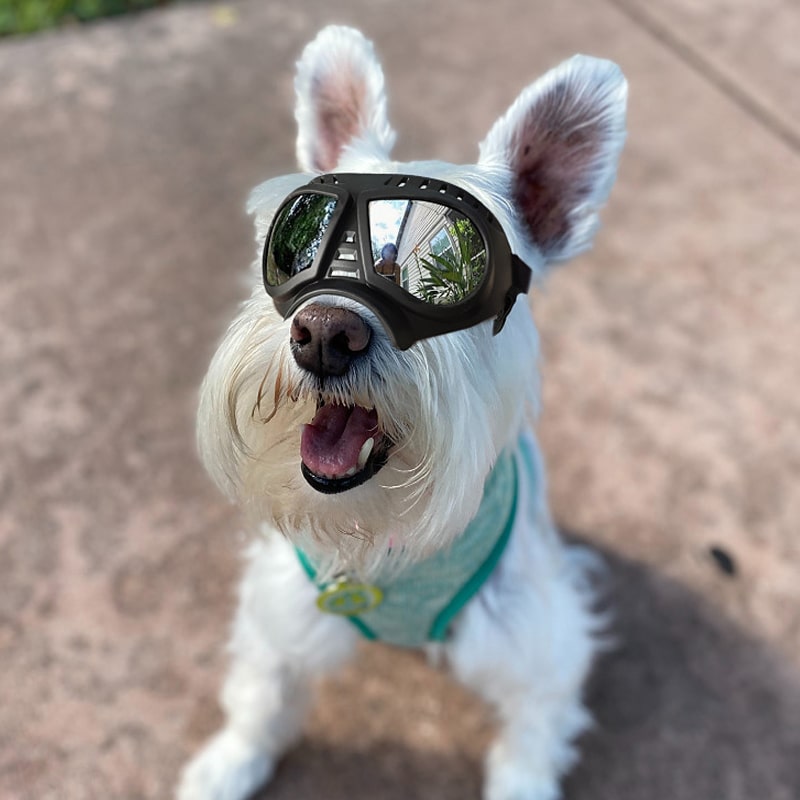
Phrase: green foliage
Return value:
(26, 16)
(297, 236)
(451, 277)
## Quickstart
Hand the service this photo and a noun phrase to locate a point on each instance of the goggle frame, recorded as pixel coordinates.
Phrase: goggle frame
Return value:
(406, 318)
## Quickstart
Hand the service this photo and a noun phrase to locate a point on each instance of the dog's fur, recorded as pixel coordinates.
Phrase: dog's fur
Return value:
(451, 404)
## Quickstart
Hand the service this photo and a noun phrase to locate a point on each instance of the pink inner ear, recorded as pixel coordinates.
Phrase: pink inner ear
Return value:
(553, 162)
(338, 104)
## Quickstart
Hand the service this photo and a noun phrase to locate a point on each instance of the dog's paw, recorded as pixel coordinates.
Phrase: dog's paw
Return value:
(228, 768)
(513, 782)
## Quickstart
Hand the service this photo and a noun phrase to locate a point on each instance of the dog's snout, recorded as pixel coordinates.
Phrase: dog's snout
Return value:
(325, 339)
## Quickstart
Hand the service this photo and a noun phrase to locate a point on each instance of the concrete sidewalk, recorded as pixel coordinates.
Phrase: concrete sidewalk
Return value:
(671, 415)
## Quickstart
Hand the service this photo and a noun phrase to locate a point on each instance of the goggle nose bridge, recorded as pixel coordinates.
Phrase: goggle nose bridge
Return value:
(346, 261)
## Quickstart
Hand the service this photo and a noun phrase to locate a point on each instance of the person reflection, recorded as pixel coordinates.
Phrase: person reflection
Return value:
(387, 265)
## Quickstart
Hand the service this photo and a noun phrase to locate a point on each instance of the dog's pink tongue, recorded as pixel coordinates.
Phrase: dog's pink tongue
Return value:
(330, 444)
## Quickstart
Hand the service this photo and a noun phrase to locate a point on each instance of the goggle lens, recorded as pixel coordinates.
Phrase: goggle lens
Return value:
(429, 249)
(296, 236)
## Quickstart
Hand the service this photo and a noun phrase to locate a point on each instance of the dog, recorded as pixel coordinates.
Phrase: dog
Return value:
(360, 462)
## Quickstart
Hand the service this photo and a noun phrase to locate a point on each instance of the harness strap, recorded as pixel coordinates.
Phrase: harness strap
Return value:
(419, 604)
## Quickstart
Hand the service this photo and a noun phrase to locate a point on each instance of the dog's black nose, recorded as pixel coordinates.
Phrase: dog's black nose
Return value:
(325, 339)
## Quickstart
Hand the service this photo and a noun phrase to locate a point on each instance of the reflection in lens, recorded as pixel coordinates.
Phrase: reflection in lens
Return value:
(296, 236)
(431, 250)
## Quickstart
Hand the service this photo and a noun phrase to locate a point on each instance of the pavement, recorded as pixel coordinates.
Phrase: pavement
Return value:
(671, 419)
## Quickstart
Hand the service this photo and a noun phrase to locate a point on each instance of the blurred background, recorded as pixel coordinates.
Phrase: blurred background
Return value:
(671, 416)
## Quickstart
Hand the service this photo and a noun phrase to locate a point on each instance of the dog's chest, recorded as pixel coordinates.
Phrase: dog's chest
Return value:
(418, 605)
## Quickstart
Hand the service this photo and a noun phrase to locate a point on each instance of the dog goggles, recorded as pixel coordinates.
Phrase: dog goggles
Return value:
(424, 255)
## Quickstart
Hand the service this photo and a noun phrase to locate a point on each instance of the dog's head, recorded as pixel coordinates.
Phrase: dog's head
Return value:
(317, 423)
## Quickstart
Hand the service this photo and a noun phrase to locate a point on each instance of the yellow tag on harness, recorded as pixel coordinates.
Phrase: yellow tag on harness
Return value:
(348, 598)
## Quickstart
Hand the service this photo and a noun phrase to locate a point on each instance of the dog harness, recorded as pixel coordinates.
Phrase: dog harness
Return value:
(418, 605)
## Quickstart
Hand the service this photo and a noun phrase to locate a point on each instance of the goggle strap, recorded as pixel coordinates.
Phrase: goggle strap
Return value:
(521, 281)
(520, 274)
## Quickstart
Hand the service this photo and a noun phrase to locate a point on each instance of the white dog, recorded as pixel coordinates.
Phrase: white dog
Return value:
(452, 489)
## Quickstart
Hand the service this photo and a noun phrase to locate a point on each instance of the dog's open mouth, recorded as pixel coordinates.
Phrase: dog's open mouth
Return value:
(342, 447)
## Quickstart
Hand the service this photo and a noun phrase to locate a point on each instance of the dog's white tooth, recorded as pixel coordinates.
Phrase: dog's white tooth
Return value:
(366, 449)
(352, 471)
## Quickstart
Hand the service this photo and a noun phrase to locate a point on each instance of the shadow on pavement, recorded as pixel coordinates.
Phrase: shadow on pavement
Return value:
(687, 708)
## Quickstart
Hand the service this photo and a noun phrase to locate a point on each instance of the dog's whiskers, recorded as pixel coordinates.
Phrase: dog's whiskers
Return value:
(284, 388)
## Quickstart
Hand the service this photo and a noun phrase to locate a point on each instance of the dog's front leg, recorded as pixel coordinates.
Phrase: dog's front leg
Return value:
(280, 644)
(526, 645)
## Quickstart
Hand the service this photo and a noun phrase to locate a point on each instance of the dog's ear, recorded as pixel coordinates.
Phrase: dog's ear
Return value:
(561, 140)
(340, 99)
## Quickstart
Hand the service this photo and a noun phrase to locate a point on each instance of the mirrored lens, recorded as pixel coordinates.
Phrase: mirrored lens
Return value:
(431, 250)
(297, 235)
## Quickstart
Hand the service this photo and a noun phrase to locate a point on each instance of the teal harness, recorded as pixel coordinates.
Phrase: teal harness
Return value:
(417, 605)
